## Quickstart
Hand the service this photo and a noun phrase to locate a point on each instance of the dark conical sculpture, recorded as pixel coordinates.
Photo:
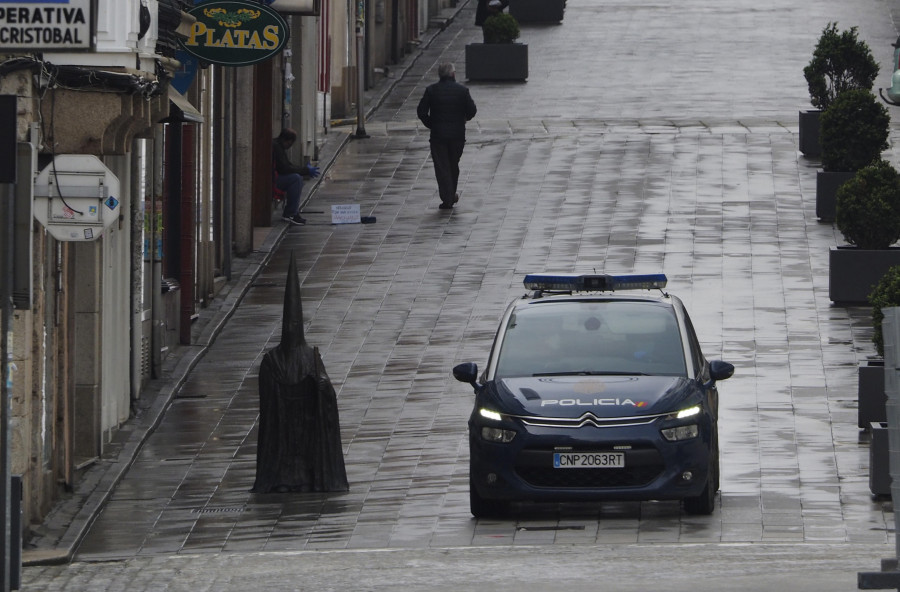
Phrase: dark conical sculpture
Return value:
(299, 442)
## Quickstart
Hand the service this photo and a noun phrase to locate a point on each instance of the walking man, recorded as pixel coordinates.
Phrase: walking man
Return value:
(289, 177)
(445, 108)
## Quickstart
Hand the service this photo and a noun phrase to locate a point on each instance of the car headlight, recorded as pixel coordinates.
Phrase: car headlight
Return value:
(497, 435)
(681, 433)
(689, 412)
(491, 434)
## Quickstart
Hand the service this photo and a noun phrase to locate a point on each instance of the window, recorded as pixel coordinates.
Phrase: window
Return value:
(591, 336)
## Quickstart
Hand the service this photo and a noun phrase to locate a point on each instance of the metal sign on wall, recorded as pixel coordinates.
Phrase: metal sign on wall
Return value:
(301, 7)
(76, 197)
(235, 33)
(298, 7)
(40, 25)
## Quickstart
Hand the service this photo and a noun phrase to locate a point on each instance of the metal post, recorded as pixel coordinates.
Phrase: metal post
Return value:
(889, 576)
(360, 69)
(7, 192)
(5, 380)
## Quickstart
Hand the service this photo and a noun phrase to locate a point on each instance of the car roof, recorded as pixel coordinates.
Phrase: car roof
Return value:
(596, 287)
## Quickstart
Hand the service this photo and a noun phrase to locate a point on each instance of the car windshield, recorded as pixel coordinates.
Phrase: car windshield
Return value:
(592, 337)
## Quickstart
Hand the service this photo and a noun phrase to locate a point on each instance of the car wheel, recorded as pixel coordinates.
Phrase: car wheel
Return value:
(705, 503)
(485, 508)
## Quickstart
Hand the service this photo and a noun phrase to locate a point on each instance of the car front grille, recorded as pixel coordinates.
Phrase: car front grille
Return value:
(589, 478)
(588, 419)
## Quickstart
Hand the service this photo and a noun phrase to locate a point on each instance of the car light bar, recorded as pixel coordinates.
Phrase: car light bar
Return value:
(573, 282)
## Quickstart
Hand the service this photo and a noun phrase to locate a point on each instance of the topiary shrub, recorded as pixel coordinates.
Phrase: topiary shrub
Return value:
(885, 295)
(867, 211)
(840, 62)
(853, 131)
(500, 28)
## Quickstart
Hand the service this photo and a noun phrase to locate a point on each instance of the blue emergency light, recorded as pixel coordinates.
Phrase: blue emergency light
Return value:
(575, 282)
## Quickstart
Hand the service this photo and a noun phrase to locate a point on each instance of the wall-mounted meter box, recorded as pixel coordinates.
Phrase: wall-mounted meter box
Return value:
(76, 197)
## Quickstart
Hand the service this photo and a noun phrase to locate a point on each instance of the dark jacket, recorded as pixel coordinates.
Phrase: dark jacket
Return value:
(445, 108)
(481, 10)
(283, 164)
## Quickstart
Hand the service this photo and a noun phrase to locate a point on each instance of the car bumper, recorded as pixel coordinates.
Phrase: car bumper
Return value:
(655, 469)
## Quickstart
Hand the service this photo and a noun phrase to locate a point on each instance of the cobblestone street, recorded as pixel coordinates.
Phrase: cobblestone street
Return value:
(650, 137)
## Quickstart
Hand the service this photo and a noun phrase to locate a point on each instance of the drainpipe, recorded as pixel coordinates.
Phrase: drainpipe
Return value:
(228, 177)
(186, 234)
(156, 238)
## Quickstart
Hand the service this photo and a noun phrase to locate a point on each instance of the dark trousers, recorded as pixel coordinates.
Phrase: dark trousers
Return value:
(446, 157)
(292, 185)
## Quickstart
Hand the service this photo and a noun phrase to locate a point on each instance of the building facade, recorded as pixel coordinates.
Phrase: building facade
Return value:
(131, 201)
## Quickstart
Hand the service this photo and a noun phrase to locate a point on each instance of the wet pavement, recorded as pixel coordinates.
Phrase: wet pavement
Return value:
(651, 136)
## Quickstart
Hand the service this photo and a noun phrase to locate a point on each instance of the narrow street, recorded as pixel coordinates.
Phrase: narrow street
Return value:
(651, 136)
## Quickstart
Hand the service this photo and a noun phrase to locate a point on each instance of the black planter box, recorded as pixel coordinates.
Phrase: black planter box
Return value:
(827, 184)
(809, 133)
(870, 395)
(537, 11)
(496, 61)
(853, 272)
(879, 460)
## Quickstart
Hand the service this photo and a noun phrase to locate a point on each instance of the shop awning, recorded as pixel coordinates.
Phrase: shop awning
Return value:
(180, 109)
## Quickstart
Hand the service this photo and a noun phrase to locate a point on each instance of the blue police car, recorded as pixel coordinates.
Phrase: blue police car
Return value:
(595, 389)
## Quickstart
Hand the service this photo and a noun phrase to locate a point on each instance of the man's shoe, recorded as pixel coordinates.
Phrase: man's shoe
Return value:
(295, 219)
(444, 206)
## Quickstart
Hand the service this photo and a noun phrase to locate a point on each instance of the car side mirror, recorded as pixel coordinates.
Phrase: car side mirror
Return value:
(719, 370)
(467, 372)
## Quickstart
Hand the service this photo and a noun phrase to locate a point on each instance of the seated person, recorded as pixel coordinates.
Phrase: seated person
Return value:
(289, 177)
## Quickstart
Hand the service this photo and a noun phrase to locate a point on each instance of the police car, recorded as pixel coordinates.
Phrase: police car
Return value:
(595, 389)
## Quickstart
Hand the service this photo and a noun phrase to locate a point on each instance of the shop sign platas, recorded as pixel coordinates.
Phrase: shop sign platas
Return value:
(235, 33)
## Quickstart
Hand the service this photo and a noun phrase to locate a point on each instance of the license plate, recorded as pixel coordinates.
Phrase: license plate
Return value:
(588, 460)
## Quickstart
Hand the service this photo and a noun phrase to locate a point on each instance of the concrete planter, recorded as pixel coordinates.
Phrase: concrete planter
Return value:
(870, 395)
(879, 460)
(809, 133)
(853, 272)
(537, 11)
(497, 61)
(827, 185)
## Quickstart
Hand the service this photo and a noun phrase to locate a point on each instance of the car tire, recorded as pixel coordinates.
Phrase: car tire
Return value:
(705, 503)
(485, 508)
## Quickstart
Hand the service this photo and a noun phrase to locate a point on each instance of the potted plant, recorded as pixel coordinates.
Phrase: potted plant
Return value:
(868, 216)
(537, 11)
(853, 131)
(870, 393)
(500, 57)
(840, 62)
(872, 399)
(885, 295)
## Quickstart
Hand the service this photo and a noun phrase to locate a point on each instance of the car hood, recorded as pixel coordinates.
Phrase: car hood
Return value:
(604, 396)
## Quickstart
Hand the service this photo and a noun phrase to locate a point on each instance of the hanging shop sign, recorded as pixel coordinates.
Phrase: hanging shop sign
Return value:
(235, 33)
(43, 25)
